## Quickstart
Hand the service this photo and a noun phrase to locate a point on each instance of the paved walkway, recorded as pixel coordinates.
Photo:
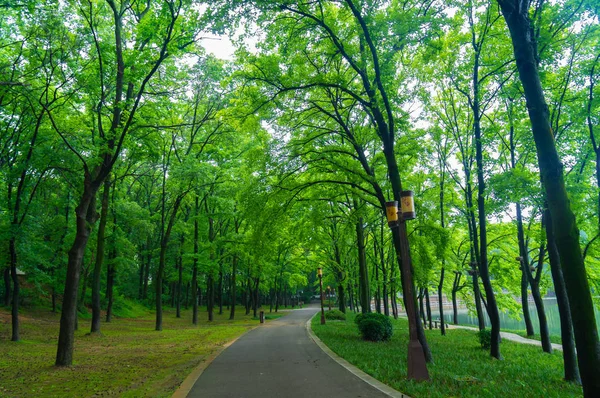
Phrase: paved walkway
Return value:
(512, 337)
(279, 359)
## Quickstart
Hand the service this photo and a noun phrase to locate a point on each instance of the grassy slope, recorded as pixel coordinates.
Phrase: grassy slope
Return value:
(129, 359)
(461, 367)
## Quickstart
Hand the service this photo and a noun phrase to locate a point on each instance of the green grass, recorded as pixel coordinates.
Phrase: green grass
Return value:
(523, 333)
(460, 369)
(129, 359)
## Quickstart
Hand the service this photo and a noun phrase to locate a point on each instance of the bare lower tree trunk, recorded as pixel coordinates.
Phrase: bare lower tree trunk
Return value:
(441, 301)
(210, 297)
(566, 326)
(110, 284)
(195, 265)
(7, 286)
(233, 286)
(15, 291)
(86, 216)
(99, 259)
(362, 267)
(428, 307)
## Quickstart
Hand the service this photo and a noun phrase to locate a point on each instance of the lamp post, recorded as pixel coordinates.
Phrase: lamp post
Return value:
(320, 272)
(417, 367)
(329, 297)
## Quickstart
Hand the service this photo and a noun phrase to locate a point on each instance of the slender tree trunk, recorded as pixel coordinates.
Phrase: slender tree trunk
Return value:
(492, 306)
(233, 286)
(15, 291)
(99, 259)
(179, 285)
(247, 296)
(195, 265)
(566, 326)
(210, 297)
(164, 242)
(441, 300)
(86, 217)
(566, 236)
(256, 297)
(147, 269)
(362, 267)
(454, 305)
(523, 262)
(7, 286)
(221, 290)
(378, 291)
(541, 311)
(187, 295)
(428, 307)
(110, 284)
(421, 303)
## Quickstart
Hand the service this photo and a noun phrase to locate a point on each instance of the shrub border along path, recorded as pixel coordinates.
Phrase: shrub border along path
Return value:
(384, 388)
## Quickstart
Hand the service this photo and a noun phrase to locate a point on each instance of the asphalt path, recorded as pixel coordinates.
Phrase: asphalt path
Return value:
(279, 359)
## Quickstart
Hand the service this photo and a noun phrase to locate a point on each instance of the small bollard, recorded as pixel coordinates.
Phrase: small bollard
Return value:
(262, 317)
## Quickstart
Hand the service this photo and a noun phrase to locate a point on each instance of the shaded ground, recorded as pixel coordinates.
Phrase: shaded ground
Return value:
(129, 359)
(279, 360)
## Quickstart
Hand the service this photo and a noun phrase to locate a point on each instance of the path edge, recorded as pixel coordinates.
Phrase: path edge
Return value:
(188, 383)
(373, 382)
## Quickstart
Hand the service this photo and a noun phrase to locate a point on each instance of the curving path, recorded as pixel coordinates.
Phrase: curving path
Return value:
(278, 359)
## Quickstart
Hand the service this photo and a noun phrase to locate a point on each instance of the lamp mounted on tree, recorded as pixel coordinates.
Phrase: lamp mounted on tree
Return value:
(417, 367)
(320, 273)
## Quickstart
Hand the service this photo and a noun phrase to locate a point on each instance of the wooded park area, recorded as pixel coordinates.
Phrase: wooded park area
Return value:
(138, 167)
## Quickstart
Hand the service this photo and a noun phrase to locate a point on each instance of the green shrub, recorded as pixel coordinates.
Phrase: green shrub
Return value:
(358, 317)
(375, 327)
(335, 315)
(485, 338)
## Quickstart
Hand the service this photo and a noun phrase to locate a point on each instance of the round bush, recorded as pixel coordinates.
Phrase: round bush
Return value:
(485, 338)
(335, 315)
(375, 327)
(358, 317)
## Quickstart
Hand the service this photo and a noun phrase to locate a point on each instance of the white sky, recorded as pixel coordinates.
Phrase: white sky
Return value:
(219, 46)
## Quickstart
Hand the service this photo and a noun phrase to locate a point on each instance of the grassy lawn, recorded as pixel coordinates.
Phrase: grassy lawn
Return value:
(460, 369)
(129, 359)
(523, 333)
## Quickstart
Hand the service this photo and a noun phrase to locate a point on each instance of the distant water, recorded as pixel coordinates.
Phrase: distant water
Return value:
(506, 322)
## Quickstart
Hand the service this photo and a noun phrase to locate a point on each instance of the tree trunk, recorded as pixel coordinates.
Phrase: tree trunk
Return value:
(421, 303)
(233, 287)
(15, 291)
(566, 236)
(110, 284)
(221, 290)
(164, 242)
(99, 259)
(247, 295)
(492, 306)
(210, 297)
(147, 270)
(256, 298)
(187, 295)
(85, 218)
(441, 301)
(179, 285)
(454, 308)
(195, 266)
(566, 326)
(428, 307)
(7, 286)
(523, 262)
(362, 267)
